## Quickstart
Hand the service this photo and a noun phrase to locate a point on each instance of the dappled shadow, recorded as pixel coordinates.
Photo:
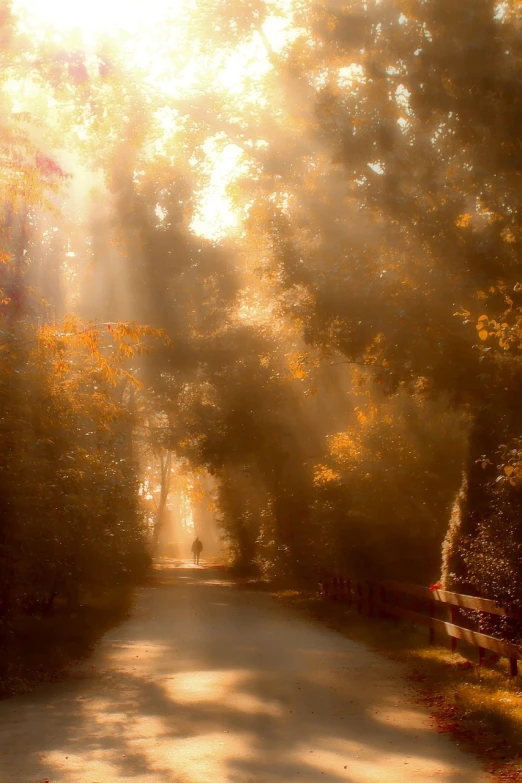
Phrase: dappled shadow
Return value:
(206, 683)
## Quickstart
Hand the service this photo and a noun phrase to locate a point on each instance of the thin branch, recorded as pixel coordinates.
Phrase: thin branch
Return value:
(345, 361)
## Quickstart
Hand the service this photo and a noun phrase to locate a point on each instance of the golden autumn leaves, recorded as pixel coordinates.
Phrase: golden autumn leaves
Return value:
(104, 346)
(486, 327)
(506, 328)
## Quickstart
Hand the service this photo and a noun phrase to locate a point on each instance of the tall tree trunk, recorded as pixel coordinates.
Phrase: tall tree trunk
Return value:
(159, 520)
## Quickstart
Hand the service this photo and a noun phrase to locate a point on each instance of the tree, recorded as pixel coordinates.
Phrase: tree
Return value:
(70, 515)
(374, 199)
(427, 136)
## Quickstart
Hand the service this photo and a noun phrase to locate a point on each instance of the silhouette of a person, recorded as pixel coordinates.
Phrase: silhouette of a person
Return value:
(197, 547)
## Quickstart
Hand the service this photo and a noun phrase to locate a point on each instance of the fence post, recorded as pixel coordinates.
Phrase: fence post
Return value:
(453, 619)
(431, 610)
(481, 656)
(322, 582)
(513, 667)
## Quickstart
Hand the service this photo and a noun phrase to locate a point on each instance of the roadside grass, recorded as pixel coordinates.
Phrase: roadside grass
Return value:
(40, 647)
(481, 706)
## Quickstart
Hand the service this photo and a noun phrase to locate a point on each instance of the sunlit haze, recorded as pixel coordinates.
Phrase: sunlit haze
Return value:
(151, 36)
(95, 17)
(260, 328)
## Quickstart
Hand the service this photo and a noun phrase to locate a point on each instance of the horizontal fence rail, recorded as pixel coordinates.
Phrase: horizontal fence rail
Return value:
(421, 605)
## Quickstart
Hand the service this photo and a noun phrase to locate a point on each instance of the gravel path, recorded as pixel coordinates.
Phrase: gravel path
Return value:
(206, 683)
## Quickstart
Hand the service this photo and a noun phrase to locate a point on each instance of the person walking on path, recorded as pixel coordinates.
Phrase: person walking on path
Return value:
(197, 547)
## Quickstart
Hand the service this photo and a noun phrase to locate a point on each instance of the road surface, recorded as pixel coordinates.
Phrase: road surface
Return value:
(206, 683)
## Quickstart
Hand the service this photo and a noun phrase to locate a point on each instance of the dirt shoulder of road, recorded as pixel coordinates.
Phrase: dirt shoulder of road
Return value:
(39, 648)
(481, 707)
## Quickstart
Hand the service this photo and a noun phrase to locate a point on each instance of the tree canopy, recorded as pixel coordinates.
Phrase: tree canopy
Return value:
(267, 253)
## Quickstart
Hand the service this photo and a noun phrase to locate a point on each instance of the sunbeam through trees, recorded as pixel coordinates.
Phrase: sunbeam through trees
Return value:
(259, 280)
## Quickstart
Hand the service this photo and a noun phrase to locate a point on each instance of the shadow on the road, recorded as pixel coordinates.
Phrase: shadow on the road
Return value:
(209, 684)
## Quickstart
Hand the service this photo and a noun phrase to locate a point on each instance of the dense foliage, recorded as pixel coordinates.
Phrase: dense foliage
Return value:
(71, 522)
(318, 204)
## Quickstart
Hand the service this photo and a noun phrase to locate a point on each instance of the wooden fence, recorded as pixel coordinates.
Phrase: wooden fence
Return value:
(424, 606)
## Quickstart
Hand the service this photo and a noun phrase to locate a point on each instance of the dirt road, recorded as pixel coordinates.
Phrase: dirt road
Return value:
(210, 684)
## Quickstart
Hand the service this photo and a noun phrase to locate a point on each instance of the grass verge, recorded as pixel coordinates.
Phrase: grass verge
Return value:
(480, 706)
(40, 647)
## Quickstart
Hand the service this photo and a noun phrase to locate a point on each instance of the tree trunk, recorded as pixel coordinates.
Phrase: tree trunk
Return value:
(159, 521)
